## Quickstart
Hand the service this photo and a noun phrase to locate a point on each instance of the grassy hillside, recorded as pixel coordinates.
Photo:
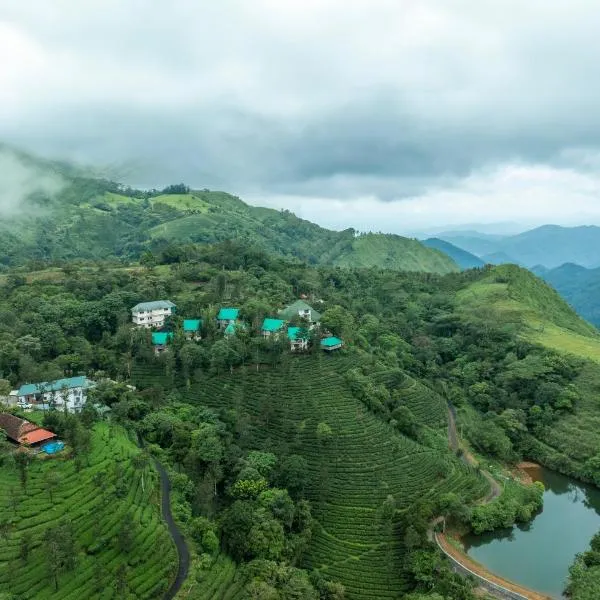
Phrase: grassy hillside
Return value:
(81, 217)
(393, 252)
(352, 473)
(87, 499)
(514, 296)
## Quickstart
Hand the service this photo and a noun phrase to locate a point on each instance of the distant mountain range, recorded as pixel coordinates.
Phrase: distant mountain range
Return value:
(549, 245)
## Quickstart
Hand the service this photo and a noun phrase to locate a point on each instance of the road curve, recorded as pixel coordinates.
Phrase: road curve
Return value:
(182, 550)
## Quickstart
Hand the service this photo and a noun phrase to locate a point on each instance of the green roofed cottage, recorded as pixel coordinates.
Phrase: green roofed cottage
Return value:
(331, 343)
(152, 314)
(227, 316)
(192, 329)
(272, 327)
(160, 339)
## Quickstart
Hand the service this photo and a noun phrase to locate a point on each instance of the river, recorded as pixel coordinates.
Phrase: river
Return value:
(538, 554)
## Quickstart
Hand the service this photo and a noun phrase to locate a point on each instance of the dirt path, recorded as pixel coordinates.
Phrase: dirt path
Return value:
(467, 457)
(182, 549)
(470, 565)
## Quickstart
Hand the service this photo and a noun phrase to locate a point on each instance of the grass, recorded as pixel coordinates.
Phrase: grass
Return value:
(96, 514)
(351, 475)
(513, 296)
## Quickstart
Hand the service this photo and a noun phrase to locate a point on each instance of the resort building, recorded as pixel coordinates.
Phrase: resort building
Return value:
(23, 432)
(298, 338)
(160, 341)
(300, 309)
(152, 314)
(192, 329)
(66, 394)
(272, 327)
(331, 343)
(227, 316)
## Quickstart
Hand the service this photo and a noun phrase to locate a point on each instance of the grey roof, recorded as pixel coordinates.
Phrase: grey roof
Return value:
(143, 306)
(291, 311)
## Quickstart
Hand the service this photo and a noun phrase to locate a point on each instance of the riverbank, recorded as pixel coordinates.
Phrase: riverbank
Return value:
(498, 586)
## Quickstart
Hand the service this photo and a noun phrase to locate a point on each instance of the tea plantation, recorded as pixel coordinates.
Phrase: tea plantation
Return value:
(353, 469)
(107, 492)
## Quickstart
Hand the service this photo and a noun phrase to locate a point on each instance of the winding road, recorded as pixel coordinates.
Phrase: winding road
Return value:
(182, 550)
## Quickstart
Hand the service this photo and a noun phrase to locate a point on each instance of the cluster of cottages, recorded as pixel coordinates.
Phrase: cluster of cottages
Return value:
(154, 315)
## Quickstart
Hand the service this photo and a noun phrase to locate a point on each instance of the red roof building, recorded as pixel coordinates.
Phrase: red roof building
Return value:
(22, 431)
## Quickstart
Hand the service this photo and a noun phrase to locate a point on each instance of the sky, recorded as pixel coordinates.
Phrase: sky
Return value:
(384, 115)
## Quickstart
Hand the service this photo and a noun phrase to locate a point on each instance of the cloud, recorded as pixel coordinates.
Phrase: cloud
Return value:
(385, 101)
(19, 181)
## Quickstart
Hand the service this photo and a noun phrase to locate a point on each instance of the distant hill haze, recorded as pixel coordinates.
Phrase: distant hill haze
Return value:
(549, 245)
(464, 259)
(64, 213)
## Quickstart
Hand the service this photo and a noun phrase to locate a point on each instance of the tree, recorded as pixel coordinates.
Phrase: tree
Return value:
(60, 552)
(126, 536)
(22, 462)
(52, 480)
(25, 546)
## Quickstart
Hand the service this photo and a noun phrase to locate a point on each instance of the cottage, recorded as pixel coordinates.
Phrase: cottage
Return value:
(160, 340)
(331, 343)
(227, 316)
(191, 329)
(23, 432)
(272, 327)
(300, 309)
(69, 394)
(298, 338)
(152, 314)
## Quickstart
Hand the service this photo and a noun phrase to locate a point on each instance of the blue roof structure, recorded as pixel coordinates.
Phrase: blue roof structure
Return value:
(272, 325)
(192, 324)
(330, 342)
(30, 389)
(295, 333)
(160, 338)
(228, 314)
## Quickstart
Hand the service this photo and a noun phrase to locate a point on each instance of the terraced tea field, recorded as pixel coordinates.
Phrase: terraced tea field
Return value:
(352, 472)
(87, 498)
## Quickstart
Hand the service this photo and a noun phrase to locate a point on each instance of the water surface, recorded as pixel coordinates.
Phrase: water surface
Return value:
(538, 555)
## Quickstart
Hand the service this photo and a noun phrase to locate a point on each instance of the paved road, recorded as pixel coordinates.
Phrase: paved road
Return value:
(182, 549)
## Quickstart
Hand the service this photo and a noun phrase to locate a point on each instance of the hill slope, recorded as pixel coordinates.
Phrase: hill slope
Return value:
(96, 514)
(464, 259)
(82, 217)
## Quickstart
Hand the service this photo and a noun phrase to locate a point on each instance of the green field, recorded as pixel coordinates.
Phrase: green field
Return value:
(351, 474)
(96, 514)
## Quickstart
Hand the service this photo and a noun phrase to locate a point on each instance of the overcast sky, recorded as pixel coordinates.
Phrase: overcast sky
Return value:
(392, 115)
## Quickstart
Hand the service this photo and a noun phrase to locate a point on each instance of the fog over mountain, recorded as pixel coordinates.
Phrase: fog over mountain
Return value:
(401, 126)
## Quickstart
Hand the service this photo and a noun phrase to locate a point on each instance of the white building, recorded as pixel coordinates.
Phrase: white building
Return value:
(69, 394)
(152, 314)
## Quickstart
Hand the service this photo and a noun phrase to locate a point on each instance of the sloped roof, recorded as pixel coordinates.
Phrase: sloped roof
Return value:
(192, 324)
(20, 430)
(160, 338)
(331, 341)
(143, 306)
(228, 314)
(272, 325)
(37, 435)
(293, 310)
(69, 383)
(293, 333)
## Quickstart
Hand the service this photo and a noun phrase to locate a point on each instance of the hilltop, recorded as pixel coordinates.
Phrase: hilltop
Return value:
(66, 214)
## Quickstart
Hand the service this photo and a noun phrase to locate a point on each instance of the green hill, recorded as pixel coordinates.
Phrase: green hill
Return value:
(87, 499)
(363, 463)
(82, 217)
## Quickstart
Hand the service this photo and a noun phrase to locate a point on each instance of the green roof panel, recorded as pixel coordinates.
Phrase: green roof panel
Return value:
(228, 314)
(192, 324)
(160, 338)
(272, 325)
(330, 342)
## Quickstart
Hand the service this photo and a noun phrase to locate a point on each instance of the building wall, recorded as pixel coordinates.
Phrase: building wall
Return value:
(74, 398)
(151, 318)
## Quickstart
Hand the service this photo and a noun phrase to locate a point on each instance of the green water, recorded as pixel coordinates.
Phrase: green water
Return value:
(538, 555)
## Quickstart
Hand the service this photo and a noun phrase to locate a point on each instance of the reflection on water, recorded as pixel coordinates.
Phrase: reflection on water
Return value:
(538, 554)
